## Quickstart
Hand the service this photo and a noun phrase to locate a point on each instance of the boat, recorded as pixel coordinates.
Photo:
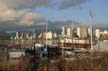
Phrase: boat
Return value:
(76, 43)
(16, 53)
(39, 54)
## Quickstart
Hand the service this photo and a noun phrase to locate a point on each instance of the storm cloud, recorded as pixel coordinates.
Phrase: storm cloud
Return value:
(71, 3)
(25, 3)
(60, 4)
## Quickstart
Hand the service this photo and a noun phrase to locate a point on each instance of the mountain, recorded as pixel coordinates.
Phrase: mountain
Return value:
(54, 26)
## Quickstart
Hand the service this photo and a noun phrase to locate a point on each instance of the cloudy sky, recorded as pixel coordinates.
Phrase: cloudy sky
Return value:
(25, 13)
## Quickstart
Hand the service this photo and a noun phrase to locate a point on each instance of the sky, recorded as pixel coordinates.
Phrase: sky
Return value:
(26, 13)
(79, 13)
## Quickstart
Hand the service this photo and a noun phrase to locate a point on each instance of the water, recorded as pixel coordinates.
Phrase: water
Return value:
(5, 42)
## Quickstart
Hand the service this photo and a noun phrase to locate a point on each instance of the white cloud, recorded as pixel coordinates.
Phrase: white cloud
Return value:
(7, 14)
(31, 16)
(29, 19)
(12, 18)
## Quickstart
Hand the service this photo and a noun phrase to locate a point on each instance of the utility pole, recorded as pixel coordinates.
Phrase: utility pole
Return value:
(62, 50)
(73, 46)
(91, 29)
(33, 36)
(46, 28)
